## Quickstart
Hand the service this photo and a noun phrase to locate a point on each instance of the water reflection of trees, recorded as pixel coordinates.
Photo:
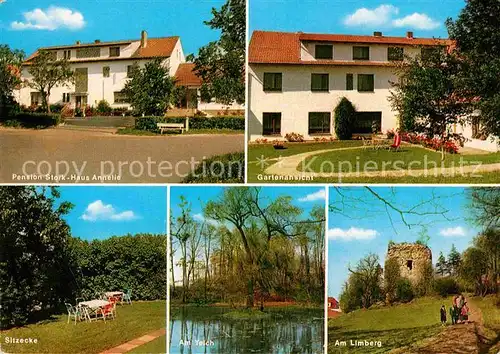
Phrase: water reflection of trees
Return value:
(284, 334)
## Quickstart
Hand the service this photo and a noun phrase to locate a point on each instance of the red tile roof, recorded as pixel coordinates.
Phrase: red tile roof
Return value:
(274, 47)
(185, 75)
(346, 38)
(157, 47)
(284, 47)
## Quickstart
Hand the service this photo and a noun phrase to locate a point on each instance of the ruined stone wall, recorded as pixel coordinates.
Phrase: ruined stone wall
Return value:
(412, 258)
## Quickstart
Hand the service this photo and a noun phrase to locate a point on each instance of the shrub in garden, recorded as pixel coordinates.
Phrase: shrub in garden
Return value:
(294, 137)
(103, 108)
(278, 144)
(89, 111)
(56, 108)
(119, 111)
(229, 168)
(404, 290)
(344, 118)
(32, 120)
(446, 286)
(437, 144)
(232, 123)
(390, 134)
(261, 141)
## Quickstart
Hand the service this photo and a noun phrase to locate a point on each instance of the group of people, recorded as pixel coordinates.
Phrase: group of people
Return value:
(459, 311)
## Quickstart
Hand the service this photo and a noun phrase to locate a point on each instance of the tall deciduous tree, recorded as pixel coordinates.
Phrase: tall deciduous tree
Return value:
(485, 203)
(182, 232)
(427, 98)
(150, 89)
(10, 76)
(392, 275)
(477, 38)
(34, 248)
(369, 271)
(264, 226)
(221, 64)
(488, 241)
(473, 268)
(46, 73)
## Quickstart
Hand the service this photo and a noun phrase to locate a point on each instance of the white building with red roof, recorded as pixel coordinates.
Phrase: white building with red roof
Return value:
(296, 80)
(102, 69)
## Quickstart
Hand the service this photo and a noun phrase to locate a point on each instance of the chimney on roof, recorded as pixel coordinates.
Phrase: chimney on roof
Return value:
(144, 39)
(78, 42)
(409, 34)
(97, 41)
(377, 34)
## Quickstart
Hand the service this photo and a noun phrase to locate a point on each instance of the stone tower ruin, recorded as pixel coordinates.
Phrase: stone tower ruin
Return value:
(412, 259)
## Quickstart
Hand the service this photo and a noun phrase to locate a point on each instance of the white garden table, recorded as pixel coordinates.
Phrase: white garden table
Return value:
(113, 293)
(93, 306)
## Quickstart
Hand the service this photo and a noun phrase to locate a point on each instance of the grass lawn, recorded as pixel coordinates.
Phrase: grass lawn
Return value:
(157, 345)
(132, 131)
(396, 326)
(408, 158)
(57, 336)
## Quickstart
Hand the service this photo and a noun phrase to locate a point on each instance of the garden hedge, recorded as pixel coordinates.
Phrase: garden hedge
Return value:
(232, 123)
(32, 120)
(121, 262)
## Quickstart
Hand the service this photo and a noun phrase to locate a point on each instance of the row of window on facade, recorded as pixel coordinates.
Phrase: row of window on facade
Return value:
(36, 98)
(325, 51)
(320, 123)
(321, 82)
(89, 52)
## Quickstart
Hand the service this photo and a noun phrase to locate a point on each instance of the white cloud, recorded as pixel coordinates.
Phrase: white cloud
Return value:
(352, 233)
(417, 21)
(458, 231)
(50, 19)
(199, 217)
(2, 1)
(371, 17)
(319, 195)
(383, 16)
(98, 211)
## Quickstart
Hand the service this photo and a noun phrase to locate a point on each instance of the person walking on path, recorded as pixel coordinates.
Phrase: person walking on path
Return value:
(443, 315)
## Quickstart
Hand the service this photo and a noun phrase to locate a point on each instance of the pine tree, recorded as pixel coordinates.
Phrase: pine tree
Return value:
(454, 260)
(441, 265)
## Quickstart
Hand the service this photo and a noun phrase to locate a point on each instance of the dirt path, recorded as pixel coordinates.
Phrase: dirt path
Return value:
(454, 339)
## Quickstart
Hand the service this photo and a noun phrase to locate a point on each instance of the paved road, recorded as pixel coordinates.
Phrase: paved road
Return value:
(86, 156)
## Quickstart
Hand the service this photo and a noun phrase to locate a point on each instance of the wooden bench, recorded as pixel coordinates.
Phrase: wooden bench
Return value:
(170, 126)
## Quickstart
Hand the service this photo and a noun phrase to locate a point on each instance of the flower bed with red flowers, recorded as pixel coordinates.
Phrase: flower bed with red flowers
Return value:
(450, 146)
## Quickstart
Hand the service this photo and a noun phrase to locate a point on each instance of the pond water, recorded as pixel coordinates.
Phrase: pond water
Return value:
(203, 330)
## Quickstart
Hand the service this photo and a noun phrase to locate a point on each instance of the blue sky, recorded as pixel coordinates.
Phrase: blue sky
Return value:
(304, 197)
(393, 17)
(102, 212)
(59, 22)
(354, 232)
